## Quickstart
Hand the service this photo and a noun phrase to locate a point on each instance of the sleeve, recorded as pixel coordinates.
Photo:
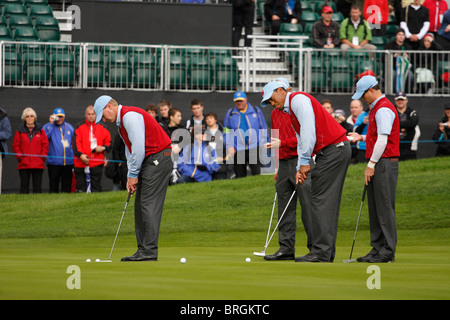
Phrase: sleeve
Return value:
(16, 147)
(133, 123)
(303, 110)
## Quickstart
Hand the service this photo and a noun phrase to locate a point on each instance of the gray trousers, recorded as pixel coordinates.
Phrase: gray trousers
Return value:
(149, 201)
(327, 181)
(285, 186)
(381, 202)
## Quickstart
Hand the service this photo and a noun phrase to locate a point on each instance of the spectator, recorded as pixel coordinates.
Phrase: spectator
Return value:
(243, 14)
(415, 22)
(197, 117)
(443, 34)
(339, 115)
(164, 107)
(426, 64)
(356, 108)
(355, 32)
(325, 32)
(30, 139)
(245, 132)
(5, 134)
(198, 161)
(174, 122)
(214, 134)
(436, 8)
(152, 109)
(409, 127)
(60, 154)
(442, 134)
(90, 143)
(282, 11)
(344, 6)
(117, 170)
(402, 77)
(376, 13)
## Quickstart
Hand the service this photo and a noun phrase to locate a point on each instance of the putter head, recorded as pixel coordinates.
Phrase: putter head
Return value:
(104, 261)
(260, 254)
(349, 260)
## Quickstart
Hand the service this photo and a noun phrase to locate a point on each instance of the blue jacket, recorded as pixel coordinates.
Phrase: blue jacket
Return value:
(361, 145)
(5, 131)
(60, 151)
(253, 137)
(198, 164)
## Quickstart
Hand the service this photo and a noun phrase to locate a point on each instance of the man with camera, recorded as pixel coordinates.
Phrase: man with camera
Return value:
(60, 153)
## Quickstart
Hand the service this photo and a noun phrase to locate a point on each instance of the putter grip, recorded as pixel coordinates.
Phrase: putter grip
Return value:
(364, 192)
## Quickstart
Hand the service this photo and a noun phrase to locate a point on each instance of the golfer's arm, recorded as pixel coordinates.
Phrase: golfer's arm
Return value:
(133, 123)
(302, 108)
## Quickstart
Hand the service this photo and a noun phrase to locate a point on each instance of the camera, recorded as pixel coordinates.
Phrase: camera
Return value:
(445, 124)
(55, 118)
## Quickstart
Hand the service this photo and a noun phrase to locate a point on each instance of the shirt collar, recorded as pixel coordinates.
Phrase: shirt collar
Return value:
(286, 103)
(375, 102)
(118, 115)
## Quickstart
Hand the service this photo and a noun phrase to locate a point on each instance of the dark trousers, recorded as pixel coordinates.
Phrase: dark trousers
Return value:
(381, 202)
(60, 175)
(243, 158)
(327, 181)
(150, 195)
(243, 18)
(25, 175)
(95, 177)
(285, 186)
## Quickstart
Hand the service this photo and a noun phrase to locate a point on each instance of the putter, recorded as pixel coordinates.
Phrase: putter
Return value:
(282, 215)
(263, 253)
(118, 229)
(349, 260)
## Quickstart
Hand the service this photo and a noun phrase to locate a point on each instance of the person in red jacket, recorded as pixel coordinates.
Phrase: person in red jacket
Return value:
(376, 13)
(382, 150)
(90, 143)
(31, 147)
(437, 9)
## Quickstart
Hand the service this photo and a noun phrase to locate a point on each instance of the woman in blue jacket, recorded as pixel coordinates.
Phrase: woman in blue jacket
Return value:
(197, 161)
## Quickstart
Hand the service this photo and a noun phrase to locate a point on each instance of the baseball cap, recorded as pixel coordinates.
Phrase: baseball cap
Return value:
(270, 88)
(59, 112)
(400, 95)
(239, 95)
(364, 84)
(327, 9)
(99, 105)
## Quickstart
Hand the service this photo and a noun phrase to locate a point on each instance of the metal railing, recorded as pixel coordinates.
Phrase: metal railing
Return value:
(216, 68)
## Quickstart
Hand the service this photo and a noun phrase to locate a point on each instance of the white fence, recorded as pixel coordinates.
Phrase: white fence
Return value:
(215, 68)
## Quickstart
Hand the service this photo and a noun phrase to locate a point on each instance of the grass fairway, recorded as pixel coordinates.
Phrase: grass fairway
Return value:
(215, 226)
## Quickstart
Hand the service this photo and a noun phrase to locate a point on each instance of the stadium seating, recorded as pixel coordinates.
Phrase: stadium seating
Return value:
(119, 71)
(13, 9)
(13, 67)
(5, 34)
(36, 67)
(95, 68)
(25, 33)
(225, 73)
(200, 75)
(47, 28)
(145, 68)
(63, 68)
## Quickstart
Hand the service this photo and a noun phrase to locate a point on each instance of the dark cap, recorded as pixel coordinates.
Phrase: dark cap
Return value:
(400, 95)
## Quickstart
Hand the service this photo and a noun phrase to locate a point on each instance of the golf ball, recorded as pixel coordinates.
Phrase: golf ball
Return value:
(248, 259)
(183, 260)
(88, 260)
(97, 260)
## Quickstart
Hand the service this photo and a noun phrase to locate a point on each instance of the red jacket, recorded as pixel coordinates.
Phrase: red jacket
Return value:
(81, 144)
(436, 9)
(393, 145)
(156, 139)
(378, 13)
(328, 130)
(32, 143)
(281, 121)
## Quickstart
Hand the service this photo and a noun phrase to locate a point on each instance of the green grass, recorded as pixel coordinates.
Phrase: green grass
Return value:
(216, 225)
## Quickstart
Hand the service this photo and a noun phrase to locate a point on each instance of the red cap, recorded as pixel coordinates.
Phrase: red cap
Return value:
(327, 9)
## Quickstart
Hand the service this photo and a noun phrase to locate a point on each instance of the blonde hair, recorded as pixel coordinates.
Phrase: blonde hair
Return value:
(29, 111)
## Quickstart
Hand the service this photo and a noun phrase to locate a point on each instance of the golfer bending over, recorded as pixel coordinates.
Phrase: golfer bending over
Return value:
(149, 163)
(318, 133)
(382, 150)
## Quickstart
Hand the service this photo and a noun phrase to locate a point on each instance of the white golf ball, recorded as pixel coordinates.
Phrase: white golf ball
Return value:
(97, 260)
(248, 259)
(183, 260)
(88, 260)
